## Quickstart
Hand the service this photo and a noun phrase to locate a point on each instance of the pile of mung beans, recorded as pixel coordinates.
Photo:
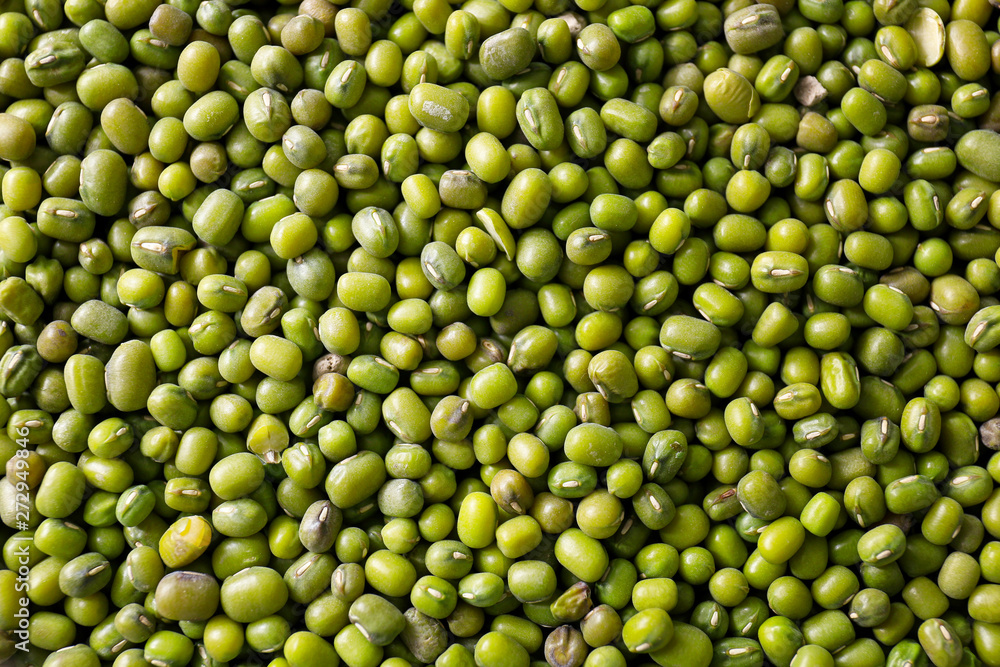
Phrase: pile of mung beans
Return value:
(500, 333)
